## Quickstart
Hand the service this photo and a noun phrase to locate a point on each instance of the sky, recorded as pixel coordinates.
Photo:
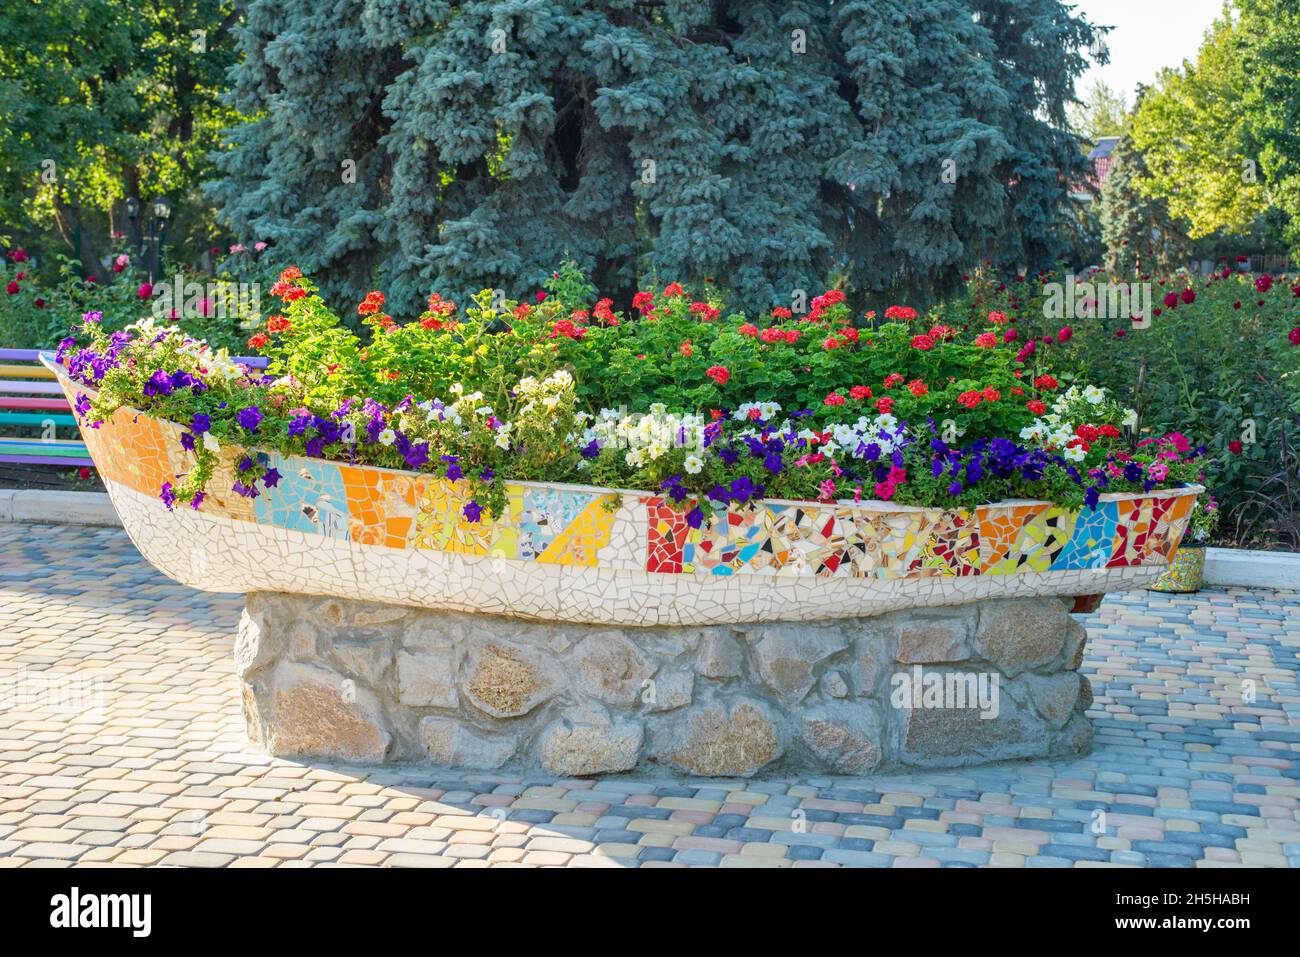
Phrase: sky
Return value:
(1148, 35)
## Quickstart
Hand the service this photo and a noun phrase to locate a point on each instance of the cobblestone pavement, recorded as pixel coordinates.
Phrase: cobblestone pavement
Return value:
(1186, 773)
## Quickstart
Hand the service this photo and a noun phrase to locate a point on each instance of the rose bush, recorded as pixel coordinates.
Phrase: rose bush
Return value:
(1218, 360)
(37, 308)
(676, 394)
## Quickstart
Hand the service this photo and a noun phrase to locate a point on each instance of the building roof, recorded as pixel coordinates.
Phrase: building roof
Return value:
(1105, 146)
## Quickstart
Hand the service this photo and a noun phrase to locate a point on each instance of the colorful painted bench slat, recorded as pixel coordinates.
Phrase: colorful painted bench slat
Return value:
(27, 385)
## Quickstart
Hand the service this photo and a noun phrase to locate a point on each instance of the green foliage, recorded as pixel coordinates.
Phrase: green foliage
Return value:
(1102, 113)
(1139, 232)
(37, 314)
(1270, 31)
(1190, 130)
(105, 99)
(1224, 369)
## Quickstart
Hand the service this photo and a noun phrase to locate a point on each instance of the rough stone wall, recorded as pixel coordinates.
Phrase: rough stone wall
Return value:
(369, 682)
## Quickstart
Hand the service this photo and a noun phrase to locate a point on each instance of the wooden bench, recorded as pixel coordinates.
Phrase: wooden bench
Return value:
(31, 396)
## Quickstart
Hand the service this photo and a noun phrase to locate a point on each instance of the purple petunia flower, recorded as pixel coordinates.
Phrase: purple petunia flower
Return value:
(167, 495)
(453, 468)
(249, 419)
(200, 423)
(197, 500)
(187, 441)
(473, 511)
(272, 478)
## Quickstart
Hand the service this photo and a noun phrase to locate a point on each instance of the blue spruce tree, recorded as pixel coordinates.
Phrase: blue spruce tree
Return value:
(426, 145)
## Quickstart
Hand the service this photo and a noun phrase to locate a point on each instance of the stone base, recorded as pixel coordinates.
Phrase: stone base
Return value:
(938, 687)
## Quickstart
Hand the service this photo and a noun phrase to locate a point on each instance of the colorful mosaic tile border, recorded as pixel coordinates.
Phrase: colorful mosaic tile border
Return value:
(575, 526)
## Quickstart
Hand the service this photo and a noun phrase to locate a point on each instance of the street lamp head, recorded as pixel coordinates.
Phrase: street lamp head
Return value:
(132, 208)
(162, 209)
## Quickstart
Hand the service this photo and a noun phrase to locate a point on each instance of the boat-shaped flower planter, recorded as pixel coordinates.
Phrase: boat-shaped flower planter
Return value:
(619, 559)
(584, 554)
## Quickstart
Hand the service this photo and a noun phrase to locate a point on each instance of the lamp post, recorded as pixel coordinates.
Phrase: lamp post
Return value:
(133, 217)
(162, 212)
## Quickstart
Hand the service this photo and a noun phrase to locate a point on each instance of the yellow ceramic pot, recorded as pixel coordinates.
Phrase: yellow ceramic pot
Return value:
(1186, 571)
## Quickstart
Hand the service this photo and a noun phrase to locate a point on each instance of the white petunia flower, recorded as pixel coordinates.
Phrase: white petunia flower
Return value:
(694, 464)
(387, 437)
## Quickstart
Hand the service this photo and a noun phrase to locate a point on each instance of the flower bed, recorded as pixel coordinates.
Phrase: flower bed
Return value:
(768, 505)
(709, 411)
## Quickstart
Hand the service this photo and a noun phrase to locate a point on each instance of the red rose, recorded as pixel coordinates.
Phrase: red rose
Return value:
(40, 303)
(1294, 336)
(1171, 300)
(1189, 295)
(145, 290)
(1234, 447)
(1264, 283)
(12, 288)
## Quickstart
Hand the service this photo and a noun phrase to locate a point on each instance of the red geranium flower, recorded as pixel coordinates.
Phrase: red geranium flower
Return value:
(969, 399)
(258, 340)
(833, 399)
(1045, 382)
(1036, 406)
(860, 392)
(922, 342)
(718, 374)
(278, 324)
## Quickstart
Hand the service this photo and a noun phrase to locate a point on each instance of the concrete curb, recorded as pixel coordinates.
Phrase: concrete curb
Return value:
(1224, 567)
(1243, 568)
(61, 508)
